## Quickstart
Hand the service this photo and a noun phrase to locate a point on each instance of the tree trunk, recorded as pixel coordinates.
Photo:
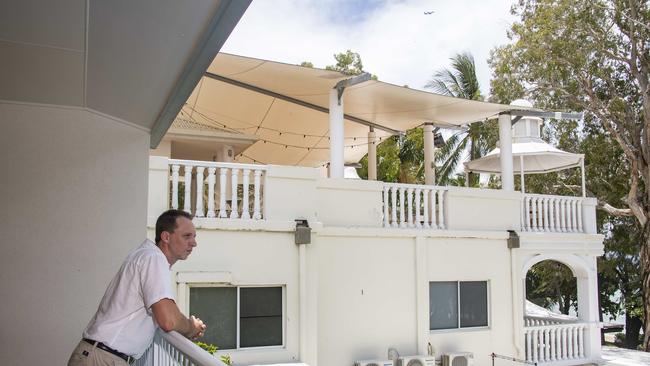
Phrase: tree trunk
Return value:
(632, 328)
(645, 285)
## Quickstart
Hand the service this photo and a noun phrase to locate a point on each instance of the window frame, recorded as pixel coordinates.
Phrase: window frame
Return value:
(186, 306)
(488, 309)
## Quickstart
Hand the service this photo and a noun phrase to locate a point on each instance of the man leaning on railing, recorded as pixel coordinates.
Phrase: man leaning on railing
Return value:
(139, 299)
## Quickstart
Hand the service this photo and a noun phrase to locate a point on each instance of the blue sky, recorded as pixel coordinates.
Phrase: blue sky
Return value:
(395, 39)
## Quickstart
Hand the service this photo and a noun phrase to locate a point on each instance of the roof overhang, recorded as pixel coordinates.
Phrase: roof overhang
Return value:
(287, 107)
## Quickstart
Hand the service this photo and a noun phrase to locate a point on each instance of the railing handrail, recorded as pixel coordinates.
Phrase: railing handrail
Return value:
(556, 326)
(216, 164)
(415, 186)
(196, 354)
(553, 196)
(535, 317)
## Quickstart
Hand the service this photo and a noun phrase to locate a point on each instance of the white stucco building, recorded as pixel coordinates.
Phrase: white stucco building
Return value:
(419, 269)
(87, 87)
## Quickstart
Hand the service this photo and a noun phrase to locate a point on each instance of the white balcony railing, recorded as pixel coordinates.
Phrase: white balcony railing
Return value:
(545, 213)
(174, 349)
(532, 321)
(554, 343)
(227, 184)
(414, 206)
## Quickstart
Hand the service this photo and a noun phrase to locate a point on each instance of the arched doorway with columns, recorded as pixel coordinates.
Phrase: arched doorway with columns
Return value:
(553, 339)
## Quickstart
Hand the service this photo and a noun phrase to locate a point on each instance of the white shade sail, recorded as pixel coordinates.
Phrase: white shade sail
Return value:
(539, 157)
(286, 107)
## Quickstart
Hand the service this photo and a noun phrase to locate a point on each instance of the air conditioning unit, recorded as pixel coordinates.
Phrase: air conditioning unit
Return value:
(374, 363)
(416, 361)
(458, 359)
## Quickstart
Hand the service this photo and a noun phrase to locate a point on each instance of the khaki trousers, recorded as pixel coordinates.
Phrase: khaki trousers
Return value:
(88, 355)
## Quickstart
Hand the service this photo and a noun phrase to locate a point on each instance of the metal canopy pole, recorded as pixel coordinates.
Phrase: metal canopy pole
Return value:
(521, 172)
(582, 168)
(372, 154)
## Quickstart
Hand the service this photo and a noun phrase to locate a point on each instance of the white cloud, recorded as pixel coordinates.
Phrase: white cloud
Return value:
(395, 39)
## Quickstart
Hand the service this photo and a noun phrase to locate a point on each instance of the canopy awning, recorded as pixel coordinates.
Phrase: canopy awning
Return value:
(286, 107)
(538, 157)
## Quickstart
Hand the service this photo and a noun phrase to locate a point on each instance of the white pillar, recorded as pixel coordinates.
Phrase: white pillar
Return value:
(372, 155)
(429, 159)
(505, 147)
(336, 135)
(588, 309)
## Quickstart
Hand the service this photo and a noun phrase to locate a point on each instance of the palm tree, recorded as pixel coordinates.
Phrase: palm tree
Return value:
(461, 82)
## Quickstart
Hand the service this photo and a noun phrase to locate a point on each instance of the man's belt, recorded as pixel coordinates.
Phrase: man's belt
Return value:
(102, 346)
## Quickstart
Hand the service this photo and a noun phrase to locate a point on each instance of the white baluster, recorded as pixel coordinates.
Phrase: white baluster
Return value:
(565, 344)
(529, 353)
(527, 212)
(547, 345)
(211, 181)
(257, 213)
(574, 336)
(562, 215)
(546, 215)
(580, 216)
(535, 344)
(409, 207)
(245, 214)
(222, 192)
(434, 209)
(558, 215)
(553, 345)
(385, 199)
(187, 205)
(393, 213)
(402, 208)
(533, 202)
(425, 206)
(581, 344)
(199, 191)
(574, 215)
(551, 214)
(234, 210)
(175, 169)
(416, 206)
(441, 212)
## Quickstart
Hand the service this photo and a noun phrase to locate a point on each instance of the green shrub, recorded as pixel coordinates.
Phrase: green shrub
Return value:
(212, 349)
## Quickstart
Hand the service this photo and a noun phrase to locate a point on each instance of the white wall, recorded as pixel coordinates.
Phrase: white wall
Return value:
(362, 288)
(74, 196)
(475, 260)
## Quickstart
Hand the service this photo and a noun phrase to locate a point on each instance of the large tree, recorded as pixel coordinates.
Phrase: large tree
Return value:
(595, 55)
(461, 82)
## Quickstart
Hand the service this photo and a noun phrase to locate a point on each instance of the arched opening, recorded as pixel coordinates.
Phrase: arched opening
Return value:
(560, 308)
(552, 286)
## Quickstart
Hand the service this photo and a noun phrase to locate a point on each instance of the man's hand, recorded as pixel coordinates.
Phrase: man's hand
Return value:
(198, 327)
(170, 318)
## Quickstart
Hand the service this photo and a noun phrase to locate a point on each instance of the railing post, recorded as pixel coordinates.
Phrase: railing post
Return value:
(425, 201)
(222, 192)
(386, 198)
(187, 204)
(393, 213)
(257, 214)
(234, 209)
(245, 183)
(211, 182)
(175, 169)
(199, 191)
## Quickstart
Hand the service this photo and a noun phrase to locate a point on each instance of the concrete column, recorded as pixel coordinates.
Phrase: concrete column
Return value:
(336, 135)
(588, 310)
(372, 155)
(505, 147)
(429, 152)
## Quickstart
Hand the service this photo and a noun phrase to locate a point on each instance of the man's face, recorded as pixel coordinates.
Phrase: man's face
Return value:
(182, 240)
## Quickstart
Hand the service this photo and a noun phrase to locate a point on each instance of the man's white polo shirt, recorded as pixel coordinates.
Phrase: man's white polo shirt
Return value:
(124, 320)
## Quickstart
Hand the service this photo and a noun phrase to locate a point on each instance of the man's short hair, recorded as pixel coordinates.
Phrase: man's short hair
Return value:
(167, 222)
